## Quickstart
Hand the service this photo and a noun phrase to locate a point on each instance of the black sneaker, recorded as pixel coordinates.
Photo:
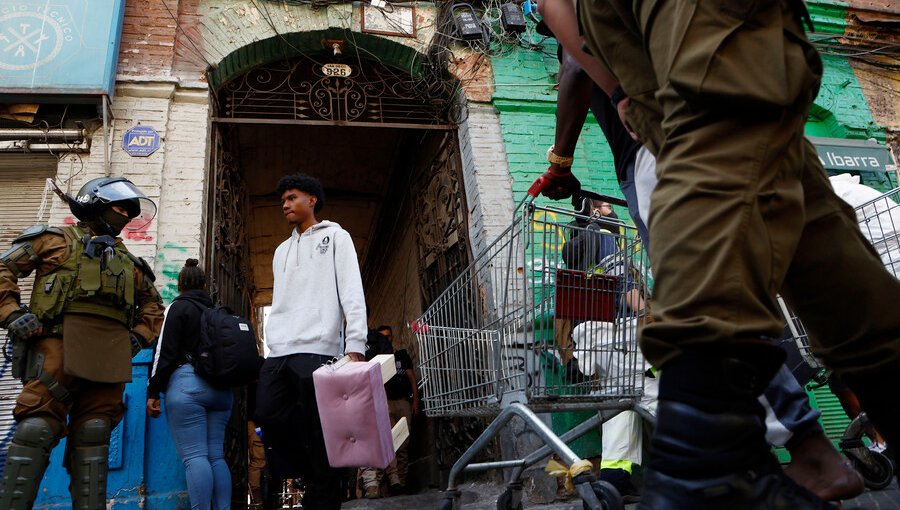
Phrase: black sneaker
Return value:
(621, 480)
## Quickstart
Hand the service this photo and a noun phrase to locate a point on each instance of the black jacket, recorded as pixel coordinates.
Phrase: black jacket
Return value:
(180, 336)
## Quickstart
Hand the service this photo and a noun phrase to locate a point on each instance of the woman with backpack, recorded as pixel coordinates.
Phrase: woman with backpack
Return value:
(196, 411)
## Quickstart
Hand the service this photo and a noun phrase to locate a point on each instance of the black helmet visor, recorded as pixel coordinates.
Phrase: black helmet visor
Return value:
(140, 209)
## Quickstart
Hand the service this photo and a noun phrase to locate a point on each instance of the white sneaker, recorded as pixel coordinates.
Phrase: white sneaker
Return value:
(877, 447)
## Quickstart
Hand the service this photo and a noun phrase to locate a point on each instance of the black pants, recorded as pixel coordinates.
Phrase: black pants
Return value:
(287, 413)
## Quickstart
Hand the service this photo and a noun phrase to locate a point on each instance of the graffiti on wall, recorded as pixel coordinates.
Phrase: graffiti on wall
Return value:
(140, 234)
(169, 261)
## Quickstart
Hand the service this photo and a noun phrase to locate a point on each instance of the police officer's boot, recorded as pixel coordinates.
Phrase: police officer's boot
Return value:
(709, 449)
(89, 464)
(26, 461)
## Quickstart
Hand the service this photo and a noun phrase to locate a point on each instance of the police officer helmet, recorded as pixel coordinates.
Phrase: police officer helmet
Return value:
(94, 201)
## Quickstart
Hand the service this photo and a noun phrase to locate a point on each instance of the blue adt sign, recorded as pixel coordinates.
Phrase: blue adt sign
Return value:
(59, 47)
(140, 141)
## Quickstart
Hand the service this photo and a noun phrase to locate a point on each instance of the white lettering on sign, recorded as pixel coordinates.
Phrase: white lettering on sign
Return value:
(851, 161)
(141, 141)
(339, 70)
(31, 37)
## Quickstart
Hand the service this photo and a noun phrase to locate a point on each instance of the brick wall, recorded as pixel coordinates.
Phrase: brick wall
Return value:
(148, 38)
(487, 176)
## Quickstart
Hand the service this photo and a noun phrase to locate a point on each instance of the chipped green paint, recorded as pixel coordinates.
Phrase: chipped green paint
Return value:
(828, 16)
(840, 109)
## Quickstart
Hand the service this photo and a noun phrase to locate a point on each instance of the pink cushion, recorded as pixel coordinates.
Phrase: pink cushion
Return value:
(354, 412)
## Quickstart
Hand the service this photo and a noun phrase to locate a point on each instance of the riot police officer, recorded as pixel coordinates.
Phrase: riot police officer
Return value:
(92, 309)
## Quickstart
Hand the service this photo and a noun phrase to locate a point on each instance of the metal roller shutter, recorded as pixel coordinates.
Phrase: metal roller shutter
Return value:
(22, 180)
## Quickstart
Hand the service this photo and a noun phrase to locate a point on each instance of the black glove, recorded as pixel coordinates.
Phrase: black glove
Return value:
(23, 324)
(136, 344)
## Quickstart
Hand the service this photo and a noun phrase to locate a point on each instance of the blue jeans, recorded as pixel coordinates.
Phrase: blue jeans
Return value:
(197, 414)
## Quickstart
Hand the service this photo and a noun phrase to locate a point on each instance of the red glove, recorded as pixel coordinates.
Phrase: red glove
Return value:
(556, 184)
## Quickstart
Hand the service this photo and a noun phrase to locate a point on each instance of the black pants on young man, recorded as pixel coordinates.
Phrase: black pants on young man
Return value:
(287, 413)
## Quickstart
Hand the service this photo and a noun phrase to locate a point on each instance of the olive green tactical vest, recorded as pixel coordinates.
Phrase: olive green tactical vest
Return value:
(80, 286)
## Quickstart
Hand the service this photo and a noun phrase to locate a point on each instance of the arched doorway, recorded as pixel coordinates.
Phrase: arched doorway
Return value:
(383, 142)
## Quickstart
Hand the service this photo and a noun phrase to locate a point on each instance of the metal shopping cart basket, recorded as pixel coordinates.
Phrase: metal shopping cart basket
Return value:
(543, 320)
(879, 222)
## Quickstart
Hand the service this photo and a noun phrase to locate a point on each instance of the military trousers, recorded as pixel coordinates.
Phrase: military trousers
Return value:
(743, 208)
(87, 399)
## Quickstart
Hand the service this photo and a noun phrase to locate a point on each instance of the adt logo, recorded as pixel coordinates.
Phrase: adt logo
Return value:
(140, 141)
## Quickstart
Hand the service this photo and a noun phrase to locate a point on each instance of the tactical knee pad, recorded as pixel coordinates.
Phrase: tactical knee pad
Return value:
(26, 461)
(93, 432)
(35, 431)
(88, 464)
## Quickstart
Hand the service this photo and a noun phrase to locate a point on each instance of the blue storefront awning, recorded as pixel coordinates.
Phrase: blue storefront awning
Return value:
(59, 47)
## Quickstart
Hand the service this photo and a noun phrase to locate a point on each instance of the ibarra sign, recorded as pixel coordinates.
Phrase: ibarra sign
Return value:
(140, 141)
(840, 155)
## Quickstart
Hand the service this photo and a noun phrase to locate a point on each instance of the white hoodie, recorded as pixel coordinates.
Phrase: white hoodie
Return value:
(317, 285)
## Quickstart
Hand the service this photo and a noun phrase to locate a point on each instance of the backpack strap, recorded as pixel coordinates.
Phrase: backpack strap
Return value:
(200, 306)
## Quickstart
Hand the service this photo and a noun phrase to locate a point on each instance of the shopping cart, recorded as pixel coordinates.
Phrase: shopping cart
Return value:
(498, 342)
(879, 222)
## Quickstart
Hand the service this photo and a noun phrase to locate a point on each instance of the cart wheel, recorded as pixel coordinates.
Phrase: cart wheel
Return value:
(608, 495)
(450, 501)
(876, 470)
(505, 501)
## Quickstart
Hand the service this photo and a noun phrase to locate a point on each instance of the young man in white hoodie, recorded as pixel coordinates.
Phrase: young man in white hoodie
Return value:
(318, 313)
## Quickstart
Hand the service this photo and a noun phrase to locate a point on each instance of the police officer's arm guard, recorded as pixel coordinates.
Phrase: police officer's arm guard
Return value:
(27, 253)
(24, 256)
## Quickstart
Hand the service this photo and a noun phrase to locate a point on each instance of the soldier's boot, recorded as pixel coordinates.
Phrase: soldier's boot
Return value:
(26, 462)
(89, 464)
(709, 449)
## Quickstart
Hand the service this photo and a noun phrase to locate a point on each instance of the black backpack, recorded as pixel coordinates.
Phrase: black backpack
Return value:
(227, 355)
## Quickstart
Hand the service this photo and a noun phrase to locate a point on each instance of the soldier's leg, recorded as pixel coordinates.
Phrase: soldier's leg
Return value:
(26, 461)
(724, 221)
(847, 301)
(41, 422)
(88, 463)
(97, 409)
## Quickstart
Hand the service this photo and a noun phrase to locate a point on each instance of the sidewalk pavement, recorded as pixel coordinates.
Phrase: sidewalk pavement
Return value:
(483, 496)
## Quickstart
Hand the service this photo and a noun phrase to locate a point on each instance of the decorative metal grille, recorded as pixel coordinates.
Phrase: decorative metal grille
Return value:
(230, 285)
(299, 89)
(441, 226)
